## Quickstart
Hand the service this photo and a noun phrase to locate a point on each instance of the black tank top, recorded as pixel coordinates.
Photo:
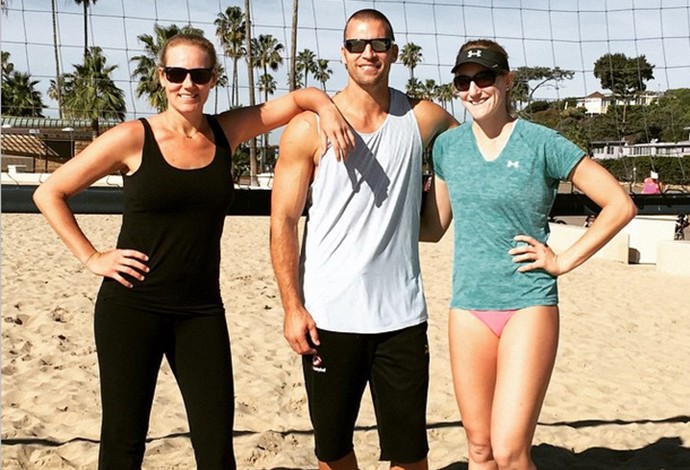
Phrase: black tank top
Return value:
(176, 217)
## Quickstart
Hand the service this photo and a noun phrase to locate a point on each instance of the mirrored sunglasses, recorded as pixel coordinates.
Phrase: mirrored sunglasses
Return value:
(482, 80)
(178, 74)
(358, 45)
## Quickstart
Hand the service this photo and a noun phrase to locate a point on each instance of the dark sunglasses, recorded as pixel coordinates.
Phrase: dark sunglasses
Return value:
(178, 74)
(482, 80)
(378, 45)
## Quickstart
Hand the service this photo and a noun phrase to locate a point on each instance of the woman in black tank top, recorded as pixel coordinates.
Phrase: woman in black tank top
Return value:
(160, 294)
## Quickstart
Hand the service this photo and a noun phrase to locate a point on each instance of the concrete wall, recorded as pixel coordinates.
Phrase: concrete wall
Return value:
(673, 257)
(563, 236)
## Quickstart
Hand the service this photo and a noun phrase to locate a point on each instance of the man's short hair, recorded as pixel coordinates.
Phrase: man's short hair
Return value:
(369, 14)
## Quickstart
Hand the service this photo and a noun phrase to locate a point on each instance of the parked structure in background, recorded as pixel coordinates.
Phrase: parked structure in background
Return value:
(598, 103)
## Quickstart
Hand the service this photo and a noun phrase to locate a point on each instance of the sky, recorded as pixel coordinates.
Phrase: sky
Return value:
(570, 34)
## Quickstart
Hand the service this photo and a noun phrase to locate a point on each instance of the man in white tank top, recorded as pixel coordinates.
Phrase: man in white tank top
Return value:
(353, 298)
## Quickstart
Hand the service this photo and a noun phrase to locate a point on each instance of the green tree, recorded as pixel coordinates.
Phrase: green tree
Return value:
(7, 66)
(323, 72)
(268, 86)
(305, 63)
(230, 31)
(524, 84)
(266, 53)
(221, 81)
(445, 94)
(90, 92)
(428, 89)
(411, 56)
(672, 114)
(147, 64)
(413, 88)
(19, 95)
(86, 4)
(623, 76)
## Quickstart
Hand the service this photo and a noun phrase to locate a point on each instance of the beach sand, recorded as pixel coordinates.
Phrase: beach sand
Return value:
(619, 397)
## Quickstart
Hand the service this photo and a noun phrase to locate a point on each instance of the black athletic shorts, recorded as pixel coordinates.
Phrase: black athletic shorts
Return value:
(396, 366)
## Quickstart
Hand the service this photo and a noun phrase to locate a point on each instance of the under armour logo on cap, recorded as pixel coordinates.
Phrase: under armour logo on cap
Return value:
(490, 59)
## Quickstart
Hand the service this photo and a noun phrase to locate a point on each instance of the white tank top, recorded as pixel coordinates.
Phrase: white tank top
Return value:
(360, 253)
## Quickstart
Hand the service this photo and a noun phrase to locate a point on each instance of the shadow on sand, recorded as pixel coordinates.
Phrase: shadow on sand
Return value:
(665, 454)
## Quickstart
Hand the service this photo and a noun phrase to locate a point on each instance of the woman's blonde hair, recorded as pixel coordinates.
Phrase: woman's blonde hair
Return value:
(189, 39)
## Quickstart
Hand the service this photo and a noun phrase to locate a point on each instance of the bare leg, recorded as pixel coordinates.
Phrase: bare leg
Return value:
(473, 354)
(349, 462)
(421, 465)
(526, 356)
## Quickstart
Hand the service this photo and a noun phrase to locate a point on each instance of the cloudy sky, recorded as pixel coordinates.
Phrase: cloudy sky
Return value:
(571, 34)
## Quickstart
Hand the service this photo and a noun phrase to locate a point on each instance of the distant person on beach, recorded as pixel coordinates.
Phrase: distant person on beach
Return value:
(652, 184)
(353, 301)
(503, 319)
(160, 294)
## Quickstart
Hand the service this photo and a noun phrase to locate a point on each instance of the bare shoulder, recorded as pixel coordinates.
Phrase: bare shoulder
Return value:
(432, 119)
(119, 147)
(301, 136)
(126, 135)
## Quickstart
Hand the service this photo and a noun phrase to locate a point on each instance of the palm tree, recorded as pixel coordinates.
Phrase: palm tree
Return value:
(322, 72)
(268, 86)
(410, 56)
(306, 62)
(230, 31)
(19, 95)
(266, 52)
(58, 91)
(414, 88)
(86, 4)
(221, 81)
(445, 94)
(147, 63)
(252, 101)
(293, 46)
(7, 66)
(90, 93)
(428, 89)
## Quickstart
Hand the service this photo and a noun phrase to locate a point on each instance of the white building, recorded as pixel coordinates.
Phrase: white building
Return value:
(598, 103)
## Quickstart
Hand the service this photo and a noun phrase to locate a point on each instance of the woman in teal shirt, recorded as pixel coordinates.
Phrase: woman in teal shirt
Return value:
(499, 176)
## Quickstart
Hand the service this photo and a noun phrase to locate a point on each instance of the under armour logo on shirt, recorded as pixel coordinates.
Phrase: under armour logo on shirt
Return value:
(475, 53)
(513, 164)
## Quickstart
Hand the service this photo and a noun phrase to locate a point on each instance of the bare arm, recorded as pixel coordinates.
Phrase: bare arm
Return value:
(243, 124)
(617, 209)
(105, 155)
(436, 212)
(293, 173)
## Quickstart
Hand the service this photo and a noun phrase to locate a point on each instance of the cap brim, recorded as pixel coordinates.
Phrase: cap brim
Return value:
(477, 60)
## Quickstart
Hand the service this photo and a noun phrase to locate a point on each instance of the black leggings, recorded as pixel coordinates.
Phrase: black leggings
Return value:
(130, 345)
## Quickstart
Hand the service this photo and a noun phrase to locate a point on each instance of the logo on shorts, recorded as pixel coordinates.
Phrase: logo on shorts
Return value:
(317, 364)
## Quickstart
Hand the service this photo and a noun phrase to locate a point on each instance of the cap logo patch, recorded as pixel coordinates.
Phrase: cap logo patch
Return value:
(474, 53)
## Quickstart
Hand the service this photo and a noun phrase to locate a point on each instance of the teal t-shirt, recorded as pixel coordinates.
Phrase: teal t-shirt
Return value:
(492, 201)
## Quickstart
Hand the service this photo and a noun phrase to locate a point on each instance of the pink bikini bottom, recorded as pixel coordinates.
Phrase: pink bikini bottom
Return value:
(496, 320)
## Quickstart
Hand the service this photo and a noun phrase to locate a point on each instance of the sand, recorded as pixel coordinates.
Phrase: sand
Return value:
(619, 397)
